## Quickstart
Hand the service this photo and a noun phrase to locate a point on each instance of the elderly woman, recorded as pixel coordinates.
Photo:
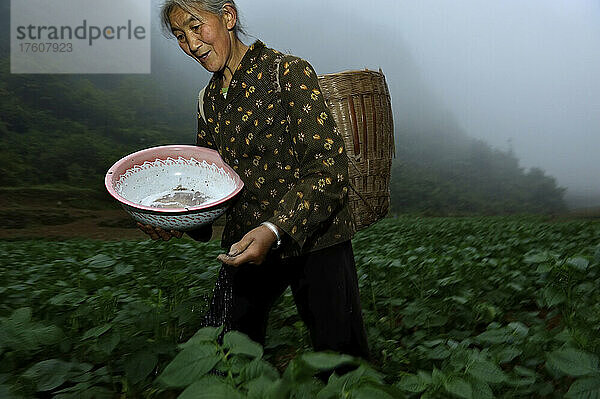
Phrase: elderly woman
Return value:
(290, 226)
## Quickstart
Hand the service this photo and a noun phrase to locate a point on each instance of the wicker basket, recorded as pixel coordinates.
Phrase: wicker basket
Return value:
(360, 104)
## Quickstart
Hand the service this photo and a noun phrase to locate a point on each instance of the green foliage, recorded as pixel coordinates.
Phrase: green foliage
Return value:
(233, 368)
(462, 307)
(573, 362)
(20, 333)
(239, 344)
(189, 365)
(69, 129)
(478, 306)
(585, 388)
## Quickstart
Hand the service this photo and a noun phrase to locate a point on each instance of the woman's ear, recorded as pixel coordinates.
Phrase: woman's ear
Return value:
(229, 16)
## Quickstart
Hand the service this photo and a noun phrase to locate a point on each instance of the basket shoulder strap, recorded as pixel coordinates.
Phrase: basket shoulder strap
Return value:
(274, 74)
(201, 103)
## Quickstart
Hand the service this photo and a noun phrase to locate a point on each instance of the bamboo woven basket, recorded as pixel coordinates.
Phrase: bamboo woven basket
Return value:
(361, 107)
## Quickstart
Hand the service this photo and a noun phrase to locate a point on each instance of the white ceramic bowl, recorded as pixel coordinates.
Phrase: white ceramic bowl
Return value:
(179, 187)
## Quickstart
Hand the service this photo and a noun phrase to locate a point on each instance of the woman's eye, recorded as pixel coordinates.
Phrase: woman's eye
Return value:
(180, 37)
(195, 28)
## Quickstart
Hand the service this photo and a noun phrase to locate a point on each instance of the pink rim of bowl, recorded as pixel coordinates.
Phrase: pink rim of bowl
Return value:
(164, 152)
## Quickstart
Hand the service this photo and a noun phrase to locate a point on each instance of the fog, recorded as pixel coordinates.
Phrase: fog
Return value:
(512, 73)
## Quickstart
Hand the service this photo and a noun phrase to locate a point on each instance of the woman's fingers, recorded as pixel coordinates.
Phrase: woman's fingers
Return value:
(156, 233)
(141, 227)
(152, 232)
(163, 234)
(239, 253)
(252, 248)
(176, 234)
(240, 246)
(237, 260)
(147, 229)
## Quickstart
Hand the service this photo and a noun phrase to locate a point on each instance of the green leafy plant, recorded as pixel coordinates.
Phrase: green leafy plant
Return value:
(454, 307)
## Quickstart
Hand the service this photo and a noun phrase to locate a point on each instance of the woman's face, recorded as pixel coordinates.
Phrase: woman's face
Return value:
(204, 36)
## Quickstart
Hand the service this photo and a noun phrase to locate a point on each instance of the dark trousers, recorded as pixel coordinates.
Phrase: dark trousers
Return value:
(325, 289)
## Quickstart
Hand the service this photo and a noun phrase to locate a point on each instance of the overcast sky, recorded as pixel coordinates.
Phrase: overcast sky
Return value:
(520, 70)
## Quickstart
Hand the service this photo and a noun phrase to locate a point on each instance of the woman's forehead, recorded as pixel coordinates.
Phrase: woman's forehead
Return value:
(180, 17)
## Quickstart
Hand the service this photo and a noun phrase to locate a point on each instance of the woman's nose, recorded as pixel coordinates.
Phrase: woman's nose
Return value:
(194, 43)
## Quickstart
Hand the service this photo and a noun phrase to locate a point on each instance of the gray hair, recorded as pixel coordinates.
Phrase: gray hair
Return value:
(192, 6)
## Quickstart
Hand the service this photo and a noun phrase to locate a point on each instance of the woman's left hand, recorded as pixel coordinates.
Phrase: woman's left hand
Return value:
(252, 248)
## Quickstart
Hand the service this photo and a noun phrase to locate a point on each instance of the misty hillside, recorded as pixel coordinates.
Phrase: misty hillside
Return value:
(69, 129)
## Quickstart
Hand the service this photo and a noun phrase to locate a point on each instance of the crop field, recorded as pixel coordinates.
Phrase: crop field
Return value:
(454, 307)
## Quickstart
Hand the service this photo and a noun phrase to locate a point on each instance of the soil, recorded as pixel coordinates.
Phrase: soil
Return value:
(79, 224)
(59, 214)
(32, 221)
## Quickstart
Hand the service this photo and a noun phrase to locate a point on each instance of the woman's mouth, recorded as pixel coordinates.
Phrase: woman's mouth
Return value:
(203, 57)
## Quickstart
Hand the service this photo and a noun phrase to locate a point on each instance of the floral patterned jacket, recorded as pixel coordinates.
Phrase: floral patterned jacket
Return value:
(275, 130)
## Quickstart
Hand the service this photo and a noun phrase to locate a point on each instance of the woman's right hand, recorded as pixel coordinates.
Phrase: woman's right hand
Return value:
(156, 233)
